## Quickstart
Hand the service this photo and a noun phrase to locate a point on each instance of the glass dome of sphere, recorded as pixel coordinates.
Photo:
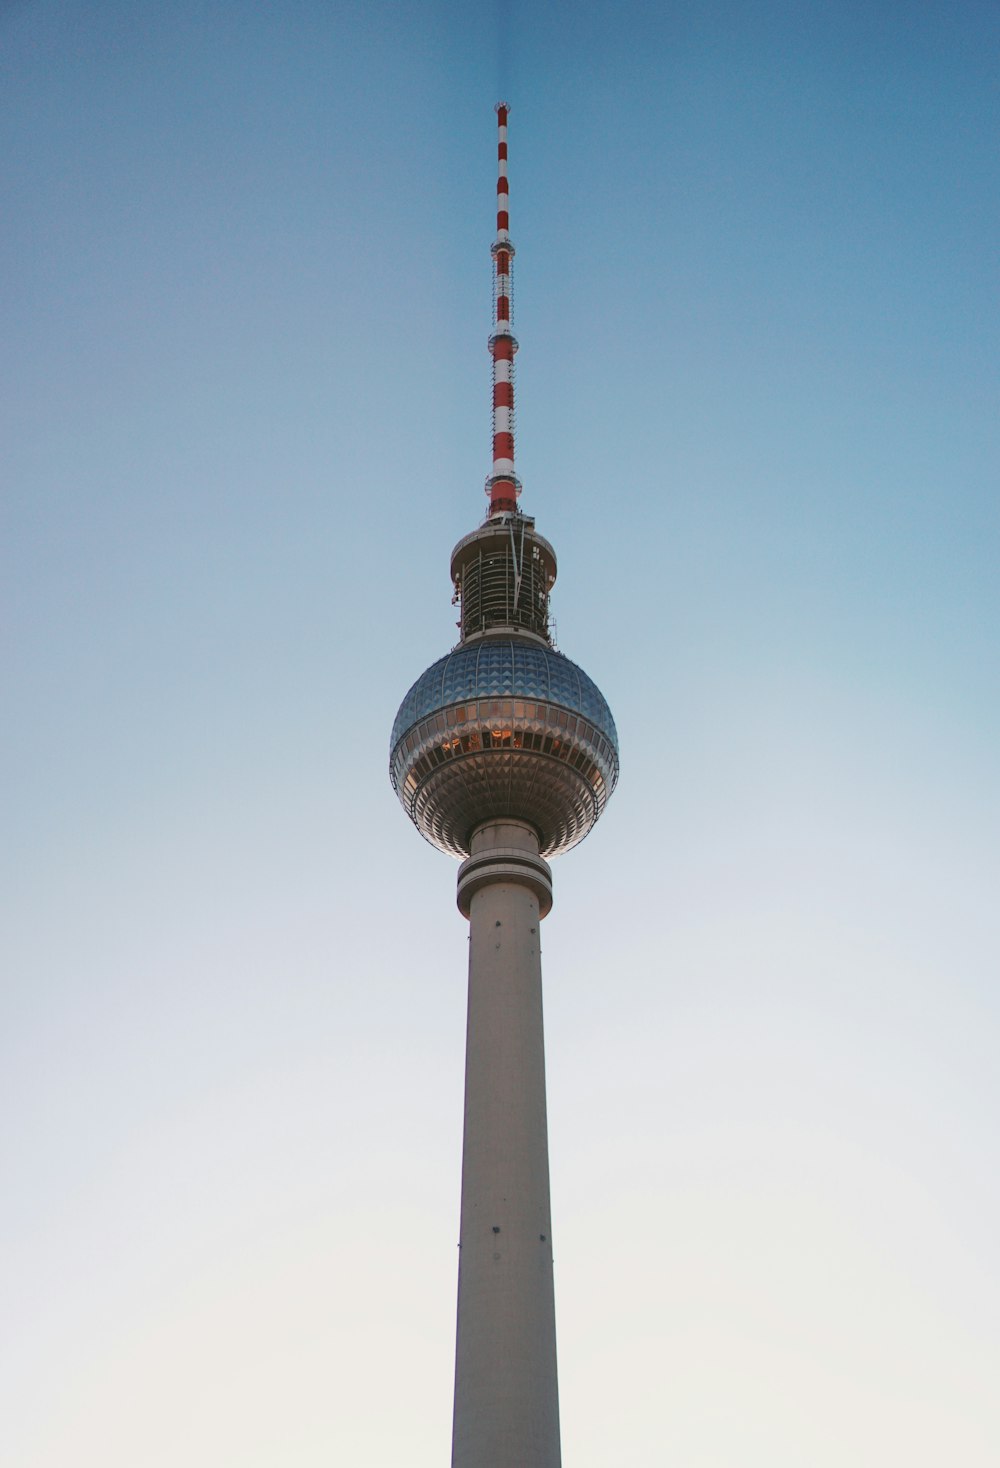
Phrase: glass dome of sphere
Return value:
(504, 726)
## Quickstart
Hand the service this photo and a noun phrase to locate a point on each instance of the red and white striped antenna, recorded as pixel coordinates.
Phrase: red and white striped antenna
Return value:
(502, 485)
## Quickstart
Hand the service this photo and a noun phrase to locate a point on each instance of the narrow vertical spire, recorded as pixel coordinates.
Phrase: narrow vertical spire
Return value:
(502, 485)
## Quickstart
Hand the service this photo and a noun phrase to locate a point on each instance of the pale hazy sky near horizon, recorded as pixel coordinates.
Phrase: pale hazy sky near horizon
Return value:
(245, 292)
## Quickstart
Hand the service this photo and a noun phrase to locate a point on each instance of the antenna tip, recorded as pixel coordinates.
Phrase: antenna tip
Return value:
(502, 107)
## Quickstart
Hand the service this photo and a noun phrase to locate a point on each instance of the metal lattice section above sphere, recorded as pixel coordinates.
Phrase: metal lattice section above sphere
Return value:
(504, 727)
(502, 574)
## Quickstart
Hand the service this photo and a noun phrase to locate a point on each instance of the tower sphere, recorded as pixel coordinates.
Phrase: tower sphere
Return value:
(504, 726)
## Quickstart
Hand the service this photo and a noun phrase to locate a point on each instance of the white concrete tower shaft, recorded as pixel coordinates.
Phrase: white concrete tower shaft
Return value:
(506, 1391)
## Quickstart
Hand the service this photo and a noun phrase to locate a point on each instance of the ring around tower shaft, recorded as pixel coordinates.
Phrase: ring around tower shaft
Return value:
(506, 1390)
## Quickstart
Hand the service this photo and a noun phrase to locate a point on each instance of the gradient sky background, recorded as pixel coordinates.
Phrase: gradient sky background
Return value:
(246, 288)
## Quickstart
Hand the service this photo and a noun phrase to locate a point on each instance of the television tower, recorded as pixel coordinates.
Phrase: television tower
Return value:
(504, 753)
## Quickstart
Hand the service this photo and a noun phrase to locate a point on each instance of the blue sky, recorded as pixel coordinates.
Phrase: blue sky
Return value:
(245, 288)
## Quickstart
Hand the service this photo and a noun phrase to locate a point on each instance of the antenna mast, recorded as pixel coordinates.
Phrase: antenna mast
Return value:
(502, 485)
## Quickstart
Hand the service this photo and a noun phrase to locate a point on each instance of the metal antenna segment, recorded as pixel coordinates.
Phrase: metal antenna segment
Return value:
(502, 485)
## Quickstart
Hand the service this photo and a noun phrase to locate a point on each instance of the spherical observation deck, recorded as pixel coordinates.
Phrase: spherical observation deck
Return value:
(504, 726)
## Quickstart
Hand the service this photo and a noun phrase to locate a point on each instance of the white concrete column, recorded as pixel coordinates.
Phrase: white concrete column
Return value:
(506, 1392)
